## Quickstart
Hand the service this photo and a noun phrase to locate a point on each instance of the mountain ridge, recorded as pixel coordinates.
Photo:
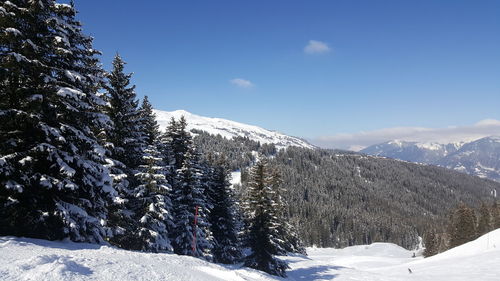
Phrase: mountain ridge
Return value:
(480, 157)
(230, 129)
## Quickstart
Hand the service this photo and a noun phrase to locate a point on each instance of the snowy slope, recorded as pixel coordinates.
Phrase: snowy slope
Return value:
(230, 129)
(38, 260)
(476, 260)
(32, 259)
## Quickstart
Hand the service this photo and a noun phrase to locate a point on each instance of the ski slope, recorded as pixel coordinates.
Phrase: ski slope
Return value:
(32, 259)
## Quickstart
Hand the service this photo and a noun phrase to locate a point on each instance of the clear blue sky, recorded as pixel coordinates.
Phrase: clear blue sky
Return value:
(391, 63)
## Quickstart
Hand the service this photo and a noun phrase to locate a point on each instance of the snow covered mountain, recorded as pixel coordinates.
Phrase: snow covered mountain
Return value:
(480, 157)
(412, 151)
(230, 129)
(34, 259)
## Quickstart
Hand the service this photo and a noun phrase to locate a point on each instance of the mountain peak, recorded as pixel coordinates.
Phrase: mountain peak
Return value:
(399, 143)
(229, 129)
(181, 112)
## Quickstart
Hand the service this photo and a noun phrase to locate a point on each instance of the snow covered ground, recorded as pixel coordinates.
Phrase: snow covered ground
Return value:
(32, 259)
(235, 178)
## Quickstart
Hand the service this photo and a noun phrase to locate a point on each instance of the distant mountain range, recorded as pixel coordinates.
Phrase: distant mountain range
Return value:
(230, 129)
(480, 157)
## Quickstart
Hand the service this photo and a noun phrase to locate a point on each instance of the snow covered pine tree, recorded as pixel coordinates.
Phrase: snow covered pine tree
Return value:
(143, 219)
(155, 213)
(150, 126)
(128, 144)
(287, 239)
(126, 134)
(263, 222)
(53, 183)
(191, 234)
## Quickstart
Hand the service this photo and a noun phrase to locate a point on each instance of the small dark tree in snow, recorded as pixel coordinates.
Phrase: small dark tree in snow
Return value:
(495, 214)
(224, 217)
(463, 226)
(431, 243)
(262, 222)
(484, 222)
(53, 183)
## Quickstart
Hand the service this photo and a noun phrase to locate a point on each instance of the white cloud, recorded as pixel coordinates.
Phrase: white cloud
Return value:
(242, 83)
(316, 47)
(358, 141)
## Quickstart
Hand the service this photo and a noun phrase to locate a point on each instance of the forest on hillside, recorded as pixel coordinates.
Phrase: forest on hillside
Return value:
(339, 198)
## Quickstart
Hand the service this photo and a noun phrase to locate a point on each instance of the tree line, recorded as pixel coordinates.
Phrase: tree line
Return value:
(464, 225)
(80, 158)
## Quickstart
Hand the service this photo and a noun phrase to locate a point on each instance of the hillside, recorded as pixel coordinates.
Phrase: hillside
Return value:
(342, 199)
(338, 199)
(33, 259)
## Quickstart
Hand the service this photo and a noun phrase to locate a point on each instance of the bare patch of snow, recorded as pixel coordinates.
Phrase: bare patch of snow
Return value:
(235, 178)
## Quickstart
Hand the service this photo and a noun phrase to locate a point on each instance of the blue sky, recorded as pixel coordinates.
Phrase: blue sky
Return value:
(376, 64)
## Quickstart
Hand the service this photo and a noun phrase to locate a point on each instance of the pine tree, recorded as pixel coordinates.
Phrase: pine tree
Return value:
(179, 141)
(53, 183)
(463, 226)
(495, 215)
(431, 241)
(223, 213)
(150, 125)
(127, 133)
(262, 223)
(484, 223)
(286, 237)
(153, 191)
(128, 143)
(154, 215)
(191, 234)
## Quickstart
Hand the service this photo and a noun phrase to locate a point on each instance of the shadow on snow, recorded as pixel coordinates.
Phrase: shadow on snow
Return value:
(313, 273)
